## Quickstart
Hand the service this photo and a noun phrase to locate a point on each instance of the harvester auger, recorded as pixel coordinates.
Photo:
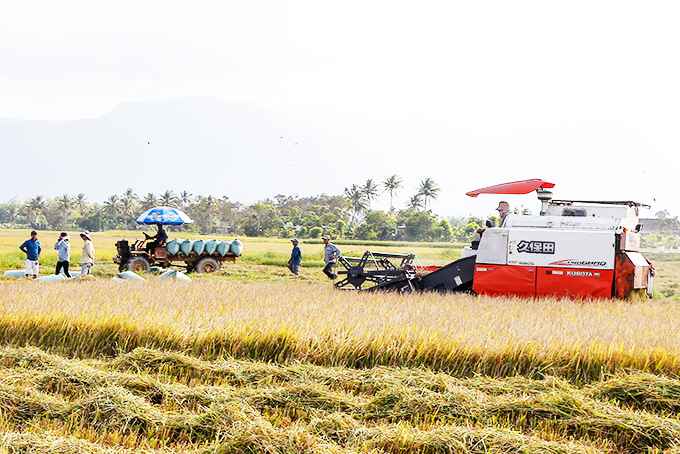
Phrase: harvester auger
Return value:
(376, 270)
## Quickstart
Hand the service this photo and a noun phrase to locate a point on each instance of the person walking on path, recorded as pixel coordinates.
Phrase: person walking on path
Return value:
(295, 258)
(87, 257)
(331, 254)
(63, 245)
(32, 249)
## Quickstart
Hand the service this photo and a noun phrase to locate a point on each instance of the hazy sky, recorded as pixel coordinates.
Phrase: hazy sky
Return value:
(582, 93)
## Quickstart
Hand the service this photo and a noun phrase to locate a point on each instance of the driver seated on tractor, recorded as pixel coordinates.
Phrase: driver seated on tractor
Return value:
(503, 211)
(159, 240)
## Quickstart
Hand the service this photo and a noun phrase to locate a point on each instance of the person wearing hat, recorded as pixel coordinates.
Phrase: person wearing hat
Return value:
(295, 258)
(31, 247)
(159, 240)
(331, 253)
(63, 245)
(503, 211)
(87, 256)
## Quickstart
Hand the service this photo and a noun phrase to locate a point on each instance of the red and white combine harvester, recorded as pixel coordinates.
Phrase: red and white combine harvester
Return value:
(573, 249)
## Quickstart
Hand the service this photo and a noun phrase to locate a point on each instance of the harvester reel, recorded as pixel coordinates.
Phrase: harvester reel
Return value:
(374, 269)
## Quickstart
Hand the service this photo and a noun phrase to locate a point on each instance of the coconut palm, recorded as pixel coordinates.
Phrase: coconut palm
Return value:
(391, 184)
(128, 204)
(35, 209)
(169, 199)
(112, 206)
(80, 202)
(357, 200)
(12, 210)
(149, 201)
(66, 204)
(428, 188)
(370, 190)
(415, 202)
(185, 198)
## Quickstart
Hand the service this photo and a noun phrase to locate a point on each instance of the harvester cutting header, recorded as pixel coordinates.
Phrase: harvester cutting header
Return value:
(574, 248)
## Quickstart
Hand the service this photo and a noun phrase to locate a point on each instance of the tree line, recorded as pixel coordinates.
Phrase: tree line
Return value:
(349, 215)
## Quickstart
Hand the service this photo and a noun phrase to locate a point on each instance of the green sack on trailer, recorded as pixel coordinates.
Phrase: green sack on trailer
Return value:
(198, 247)
(186, 246)
(223, 247)
(236, 247)
(210, 246)
(173, 246)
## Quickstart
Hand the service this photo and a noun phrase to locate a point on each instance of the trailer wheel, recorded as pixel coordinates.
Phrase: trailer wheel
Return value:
(207, 265)
(138, 265)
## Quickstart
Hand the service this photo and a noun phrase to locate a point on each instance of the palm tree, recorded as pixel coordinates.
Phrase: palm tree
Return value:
(428, 188)
(185, 198)
(357, 199)
(370, 190)
(80, 202)
(128, 204)
(112, 206)
(12, 209)
(414, 202)
(149, 201)
(391, 184)
(169, 199)
(65, 203)
(35, 209)
(208, 204)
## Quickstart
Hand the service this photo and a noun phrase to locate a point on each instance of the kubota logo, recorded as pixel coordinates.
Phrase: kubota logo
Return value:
(572, 262)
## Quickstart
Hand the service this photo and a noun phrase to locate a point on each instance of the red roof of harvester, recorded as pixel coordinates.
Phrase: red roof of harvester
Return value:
(516, 187)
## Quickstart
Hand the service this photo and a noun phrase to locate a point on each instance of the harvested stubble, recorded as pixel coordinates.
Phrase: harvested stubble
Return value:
(54, 404)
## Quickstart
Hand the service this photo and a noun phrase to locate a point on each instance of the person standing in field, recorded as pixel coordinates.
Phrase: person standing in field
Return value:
(87, 257)
(295, 258)
(330, 254)
(32, 249)
(63, 245)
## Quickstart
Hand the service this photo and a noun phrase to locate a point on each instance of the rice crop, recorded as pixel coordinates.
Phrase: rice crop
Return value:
(216, 366)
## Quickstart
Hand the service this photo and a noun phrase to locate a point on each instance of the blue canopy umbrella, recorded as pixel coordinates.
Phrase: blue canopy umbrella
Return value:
(165, 216)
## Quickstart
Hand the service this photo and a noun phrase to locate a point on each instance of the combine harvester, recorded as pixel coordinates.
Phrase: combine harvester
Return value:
(574, 248)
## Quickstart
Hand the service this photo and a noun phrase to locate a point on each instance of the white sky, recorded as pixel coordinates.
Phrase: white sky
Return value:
(582, 93)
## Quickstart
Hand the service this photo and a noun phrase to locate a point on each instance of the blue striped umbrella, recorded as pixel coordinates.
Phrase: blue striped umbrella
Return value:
(165, 216)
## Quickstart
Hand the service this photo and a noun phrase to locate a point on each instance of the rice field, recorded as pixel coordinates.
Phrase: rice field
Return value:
(255, 360)
(229, 366)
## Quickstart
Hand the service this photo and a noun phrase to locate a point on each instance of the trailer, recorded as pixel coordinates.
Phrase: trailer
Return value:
(579, 249)
(138, 258)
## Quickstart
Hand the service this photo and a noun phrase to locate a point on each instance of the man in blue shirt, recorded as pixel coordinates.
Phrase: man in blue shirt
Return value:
(32, 249)
(295, 258)
(159, 240)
